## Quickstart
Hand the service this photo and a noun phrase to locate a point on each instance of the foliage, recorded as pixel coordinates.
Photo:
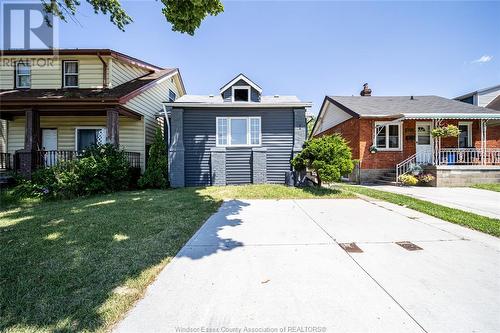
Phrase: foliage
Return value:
(415, 169)
(445, 131)
(185, 16)
(101, 169)
(329, 156)
(157, 169)
(310, 125)
(425, 178)
(478, 222)
(408, 180)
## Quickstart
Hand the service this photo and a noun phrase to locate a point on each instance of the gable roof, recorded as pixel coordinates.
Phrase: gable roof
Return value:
(480, 91)
(119, 94)
(236, 79)
(404, 107)
(494, 104)
(97, 52)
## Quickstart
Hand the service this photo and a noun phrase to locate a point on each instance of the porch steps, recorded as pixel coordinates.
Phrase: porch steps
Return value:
(388, 178)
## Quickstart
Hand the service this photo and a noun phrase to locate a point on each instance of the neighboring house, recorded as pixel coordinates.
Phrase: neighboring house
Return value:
(235, 137)
(390, 134)
(54, 103)
(483, 97)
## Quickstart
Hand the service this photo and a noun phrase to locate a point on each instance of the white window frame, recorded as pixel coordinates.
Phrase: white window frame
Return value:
(386, 125)
(86, 127)
(24, 63)
(170, 91)
(469, 132)
(67, 74)
(228, 138)
(248, 88)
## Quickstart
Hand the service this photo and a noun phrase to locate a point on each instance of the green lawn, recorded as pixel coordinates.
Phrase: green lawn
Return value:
(490, 187)
(79, 265)
(481, 223)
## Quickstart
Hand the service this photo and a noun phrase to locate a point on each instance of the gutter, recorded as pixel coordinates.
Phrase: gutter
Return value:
(237, 105)
(104, 71)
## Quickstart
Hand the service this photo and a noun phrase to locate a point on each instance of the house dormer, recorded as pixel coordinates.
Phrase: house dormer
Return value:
(241, 90)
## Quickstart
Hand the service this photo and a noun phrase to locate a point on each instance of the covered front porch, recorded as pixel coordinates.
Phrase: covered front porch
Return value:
(44, 136)
(471, 157)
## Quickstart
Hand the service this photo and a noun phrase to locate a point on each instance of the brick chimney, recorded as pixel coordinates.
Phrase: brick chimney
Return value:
(366, 91)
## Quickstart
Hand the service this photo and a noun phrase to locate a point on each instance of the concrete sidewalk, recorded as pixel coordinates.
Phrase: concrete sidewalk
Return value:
(482, 202)
(266, 264)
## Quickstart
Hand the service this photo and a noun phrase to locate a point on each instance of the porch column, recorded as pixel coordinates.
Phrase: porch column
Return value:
(112, 126)
(32, 130)
(483, 140)
(27, 156)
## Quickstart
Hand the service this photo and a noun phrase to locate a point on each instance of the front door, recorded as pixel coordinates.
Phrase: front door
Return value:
(423, 143)
(49, 145)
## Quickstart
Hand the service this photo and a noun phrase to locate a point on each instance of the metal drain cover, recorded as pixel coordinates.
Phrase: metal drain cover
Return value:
(409, 246)
(351, 247)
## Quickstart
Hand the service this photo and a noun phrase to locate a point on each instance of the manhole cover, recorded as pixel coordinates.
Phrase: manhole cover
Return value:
(409, 246)
(351, 247)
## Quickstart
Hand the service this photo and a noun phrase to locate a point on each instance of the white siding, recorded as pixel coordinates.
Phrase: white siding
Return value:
(131, 132)
(486, 98)
(46, 72)
(332, 116)
(121, 72)
(149, 104)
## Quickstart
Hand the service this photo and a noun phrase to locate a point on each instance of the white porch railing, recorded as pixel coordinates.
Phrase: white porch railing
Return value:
(468, 156)
(451, 156)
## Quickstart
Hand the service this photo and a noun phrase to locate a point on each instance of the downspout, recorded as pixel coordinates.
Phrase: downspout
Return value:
(167, 121)
(104, 71)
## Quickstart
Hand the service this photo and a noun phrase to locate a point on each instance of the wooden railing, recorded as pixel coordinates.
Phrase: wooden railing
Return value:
(468, 156)
(48, 158)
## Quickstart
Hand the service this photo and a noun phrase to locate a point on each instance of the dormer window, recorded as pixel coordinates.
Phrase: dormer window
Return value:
(70, 74)
(23, 75)
(241, 94)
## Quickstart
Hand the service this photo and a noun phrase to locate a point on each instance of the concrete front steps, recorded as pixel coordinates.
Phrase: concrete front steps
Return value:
(388, 178)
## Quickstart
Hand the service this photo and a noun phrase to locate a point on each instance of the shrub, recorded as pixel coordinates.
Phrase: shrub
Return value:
(408, 180)
(329, 156)
(156, 175)
(425, 178)
(100, 169)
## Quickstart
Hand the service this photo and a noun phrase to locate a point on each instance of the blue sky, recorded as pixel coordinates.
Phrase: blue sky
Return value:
(311, 48)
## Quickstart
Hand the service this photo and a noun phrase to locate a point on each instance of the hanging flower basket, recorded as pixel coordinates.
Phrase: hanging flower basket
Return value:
(445, 131)
(373, 149)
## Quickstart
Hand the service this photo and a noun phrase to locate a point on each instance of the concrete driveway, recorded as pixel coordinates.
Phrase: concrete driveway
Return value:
(482, 202)
(267, 265)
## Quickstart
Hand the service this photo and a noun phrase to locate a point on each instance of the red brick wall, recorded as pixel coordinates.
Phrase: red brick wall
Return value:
(349, 130)
(384, 159)
(359, 133)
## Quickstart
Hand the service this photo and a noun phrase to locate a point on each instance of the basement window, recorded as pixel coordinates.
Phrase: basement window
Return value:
(241, 94)
(388, 136)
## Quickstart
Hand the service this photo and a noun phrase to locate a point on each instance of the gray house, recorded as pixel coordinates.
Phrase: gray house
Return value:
(236, 137)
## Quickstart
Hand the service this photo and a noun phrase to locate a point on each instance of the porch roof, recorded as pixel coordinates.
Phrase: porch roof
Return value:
(468, 116)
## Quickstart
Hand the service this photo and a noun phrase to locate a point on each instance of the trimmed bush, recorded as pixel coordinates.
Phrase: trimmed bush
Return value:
(156, 175)
(408, 180)
(329, 156)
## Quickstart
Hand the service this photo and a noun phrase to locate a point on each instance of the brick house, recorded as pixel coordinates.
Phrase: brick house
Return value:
(390, 134)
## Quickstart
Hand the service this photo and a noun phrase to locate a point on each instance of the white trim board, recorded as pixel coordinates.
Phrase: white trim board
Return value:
(244, 78)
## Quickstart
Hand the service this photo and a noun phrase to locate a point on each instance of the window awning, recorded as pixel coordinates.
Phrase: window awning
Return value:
(404, 116)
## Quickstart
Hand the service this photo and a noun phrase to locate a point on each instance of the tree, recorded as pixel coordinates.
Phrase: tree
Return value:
(329, 156)
(157, 169)
(185, 15)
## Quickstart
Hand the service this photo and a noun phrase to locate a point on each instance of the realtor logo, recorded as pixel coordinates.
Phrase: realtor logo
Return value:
(24, 26)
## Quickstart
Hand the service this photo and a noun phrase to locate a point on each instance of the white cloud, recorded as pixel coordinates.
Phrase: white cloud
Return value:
(485, 58)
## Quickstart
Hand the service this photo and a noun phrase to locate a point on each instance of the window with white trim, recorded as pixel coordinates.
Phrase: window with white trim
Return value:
(171, 95)
(88, 136)
(23, 75)
(70, 74)
(241, 93)
(388, 136)
(238, 131)
(465, 136)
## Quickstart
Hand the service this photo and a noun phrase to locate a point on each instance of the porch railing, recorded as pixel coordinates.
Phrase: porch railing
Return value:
(48, 158)
(468, 156)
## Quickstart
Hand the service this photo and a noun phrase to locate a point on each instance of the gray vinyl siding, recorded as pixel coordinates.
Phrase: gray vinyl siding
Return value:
(199, 136)
(254, 94)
